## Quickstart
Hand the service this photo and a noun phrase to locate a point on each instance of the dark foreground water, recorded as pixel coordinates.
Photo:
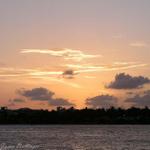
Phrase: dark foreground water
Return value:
(75, 137)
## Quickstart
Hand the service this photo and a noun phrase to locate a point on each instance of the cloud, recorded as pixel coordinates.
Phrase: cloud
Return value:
(37, 73)
(104, 101)
(126, 81)
(37, 93)
(68, 74)
(60, 80)
(129, 93)
(90, 77)
(140, 100)
(124, 63)
(13, 102)
(60, 102)
(10, 71)
(83, 68)
(67, 54)
(20, 74)
(11, 74)
(18, 100)
(138, 44)
(147, 92)
(43, 94)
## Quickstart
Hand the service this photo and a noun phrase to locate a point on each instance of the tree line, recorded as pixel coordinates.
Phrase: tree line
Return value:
(71, 115)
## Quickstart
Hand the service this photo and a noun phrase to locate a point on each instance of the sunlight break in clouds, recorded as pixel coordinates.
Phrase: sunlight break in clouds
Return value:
(67, 54)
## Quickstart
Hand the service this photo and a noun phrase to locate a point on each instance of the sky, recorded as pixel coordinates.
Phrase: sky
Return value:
(81, 53)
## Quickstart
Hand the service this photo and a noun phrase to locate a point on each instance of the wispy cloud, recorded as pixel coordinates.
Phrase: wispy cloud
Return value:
(67, 54)
(62, 76)
(138, 44)
(59, 80)
(101, 68)
(10, 73)
(71, 69)
(90, 77)
(124, 63)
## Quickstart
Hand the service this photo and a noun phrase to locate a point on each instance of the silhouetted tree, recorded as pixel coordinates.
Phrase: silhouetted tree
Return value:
(71, 115)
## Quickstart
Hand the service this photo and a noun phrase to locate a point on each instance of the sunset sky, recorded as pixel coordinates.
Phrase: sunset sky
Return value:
(80, 53)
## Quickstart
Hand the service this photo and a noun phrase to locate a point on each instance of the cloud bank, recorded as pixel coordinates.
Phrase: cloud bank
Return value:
(43, 94)
(104, 101)
(126, 81)
(40, 93)
(140, 100)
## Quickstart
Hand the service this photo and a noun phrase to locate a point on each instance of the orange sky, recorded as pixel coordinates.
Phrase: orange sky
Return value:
(72, 48)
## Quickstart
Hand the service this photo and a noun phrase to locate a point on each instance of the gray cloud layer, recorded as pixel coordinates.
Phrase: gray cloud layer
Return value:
(125, 81)
(104, 101)
(140, 100)
(60, 102)
(37, 94)
(43, 94)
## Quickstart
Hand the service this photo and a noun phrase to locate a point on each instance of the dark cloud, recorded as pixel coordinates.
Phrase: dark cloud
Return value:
(60, 102)
(69, 74)
(43, 94)
(125, 81)
(140, 100)
(37, 94)
(104, 101)
(130, 93)
(18, 100)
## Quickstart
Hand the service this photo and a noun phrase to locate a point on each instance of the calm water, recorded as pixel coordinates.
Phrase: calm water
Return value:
(75, 137)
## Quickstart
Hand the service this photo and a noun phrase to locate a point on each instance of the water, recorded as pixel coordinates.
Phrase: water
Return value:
(75, 137)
